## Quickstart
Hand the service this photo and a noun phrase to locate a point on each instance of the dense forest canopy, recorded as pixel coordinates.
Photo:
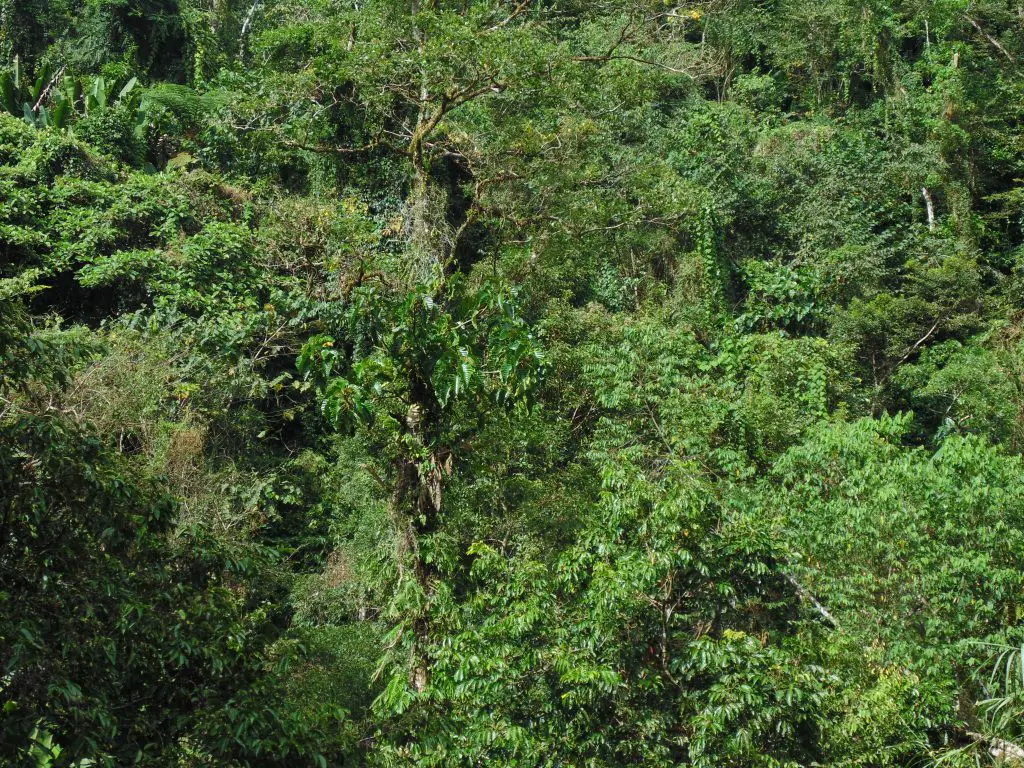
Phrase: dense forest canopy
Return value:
(511, 382)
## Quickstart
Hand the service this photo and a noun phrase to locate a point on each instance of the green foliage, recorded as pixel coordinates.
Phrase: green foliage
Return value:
(938, 551)
(459, 347)
(928, 543)
(965, 389)
(85, 556)
(517, 383)
(28, 99)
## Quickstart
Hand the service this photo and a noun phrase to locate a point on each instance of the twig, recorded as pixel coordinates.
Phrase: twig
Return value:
(329, 150)
(638, 60)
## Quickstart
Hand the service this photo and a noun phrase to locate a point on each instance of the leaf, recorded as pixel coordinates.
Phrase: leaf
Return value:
(61, 110)
(41, 82)
(128, 88)
(8, 93)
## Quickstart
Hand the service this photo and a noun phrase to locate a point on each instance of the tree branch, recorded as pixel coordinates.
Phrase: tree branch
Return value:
(638, 60)
(989, 37)
(806, 595)
(519, 9)
(331, 150)
(917, 344)
(248, 23)
(48, 88)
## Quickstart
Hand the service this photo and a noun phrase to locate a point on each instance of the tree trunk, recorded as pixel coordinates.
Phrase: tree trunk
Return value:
(929, 208)
(415, 510)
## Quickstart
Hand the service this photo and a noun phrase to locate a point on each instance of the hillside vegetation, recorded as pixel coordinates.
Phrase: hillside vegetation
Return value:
(529, 383)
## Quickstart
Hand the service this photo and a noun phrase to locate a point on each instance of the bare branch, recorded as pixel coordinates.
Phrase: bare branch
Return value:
(519, 9)
(638, 60)
(806, 595)
(332, 150)
(248, 22)
(989, 37)
(918, 343)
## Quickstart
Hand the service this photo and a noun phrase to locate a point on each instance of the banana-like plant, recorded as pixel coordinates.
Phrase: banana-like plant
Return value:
(23, 97)
(100, 93)
(26, 98)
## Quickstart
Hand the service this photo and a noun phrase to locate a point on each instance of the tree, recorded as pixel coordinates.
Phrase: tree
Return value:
(423, 370)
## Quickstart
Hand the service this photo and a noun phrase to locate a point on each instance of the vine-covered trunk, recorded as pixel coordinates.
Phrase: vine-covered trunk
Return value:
(415, 510)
